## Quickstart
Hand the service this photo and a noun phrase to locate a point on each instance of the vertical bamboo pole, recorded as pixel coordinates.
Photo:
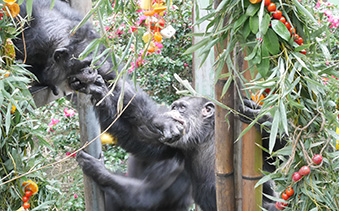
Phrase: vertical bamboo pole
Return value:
(224, 140)
(251, 164)
(224, 149)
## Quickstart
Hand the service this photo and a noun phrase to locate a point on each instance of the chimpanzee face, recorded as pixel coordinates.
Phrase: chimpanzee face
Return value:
(193, 107)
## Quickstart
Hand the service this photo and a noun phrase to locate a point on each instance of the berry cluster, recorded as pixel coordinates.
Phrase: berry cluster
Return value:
(277, 14)
(303, 171)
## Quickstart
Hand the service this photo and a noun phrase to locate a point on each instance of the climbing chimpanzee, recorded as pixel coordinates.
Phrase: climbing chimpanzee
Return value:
(52, 53)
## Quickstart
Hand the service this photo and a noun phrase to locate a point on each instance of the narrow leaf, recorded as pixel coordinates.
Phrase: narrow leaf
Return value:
(274, 130)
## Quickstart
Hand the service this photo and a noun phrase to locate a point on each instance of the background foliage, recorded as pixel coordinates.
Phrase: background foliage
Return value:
(303, 89)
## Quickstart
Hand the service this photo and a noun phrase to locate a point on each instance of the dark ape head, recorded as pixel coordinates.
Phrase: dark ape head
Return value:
(198, 116)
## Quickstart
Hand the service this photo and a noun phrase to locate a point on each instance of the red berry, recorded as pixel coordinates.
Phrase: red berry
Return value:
(300, 40)
(288, 25)
(289, 191)
(303, 52)
(284, 196)
(25, 198)
(26, 205)
(292, 31)
(28, 193)
(271, 7)
(277, 14)
(305, 170)
(317, 159)
(267, 2)
(279, 205)
(296, 176)
(295, 37)
(283, 19)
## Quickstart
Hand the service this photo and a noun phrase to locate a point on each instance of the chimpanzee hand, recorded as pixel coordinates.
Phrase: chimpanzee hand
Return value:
(250, 110)
(89, 164)
(171, 126)
(97, 88)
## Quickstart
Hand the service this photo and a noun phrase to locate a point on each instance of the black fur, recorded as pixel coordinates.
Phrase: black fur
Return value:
(52, 53)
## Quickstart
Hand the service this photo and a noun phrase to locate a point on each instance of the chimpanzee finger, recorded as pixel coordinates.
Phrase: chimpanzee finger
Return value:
(251, 104)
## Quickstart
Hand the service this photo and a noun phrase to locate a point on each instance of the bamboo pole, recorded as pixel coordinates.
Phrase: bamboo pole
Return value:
(224, 150)
(224, 141)
(251, 164)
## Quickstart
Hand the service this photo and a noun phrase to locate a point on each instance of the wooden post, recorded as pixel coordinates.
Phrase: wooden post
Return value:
(89, 129)
(251, 164)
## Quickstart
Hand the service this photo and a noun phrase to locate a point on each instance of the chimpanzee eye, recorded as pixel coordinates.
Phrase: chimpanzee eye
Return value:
(182, 108)
(174, 107)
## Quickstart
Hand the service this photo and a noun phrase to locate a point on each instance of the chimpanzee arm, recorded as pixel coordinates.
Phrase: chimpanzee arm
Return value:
(140, 126)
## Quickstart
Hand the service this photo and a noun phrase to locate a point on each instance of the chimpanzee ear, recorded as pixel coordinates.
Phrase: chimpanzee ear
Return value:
(208, 110)
(60, 54)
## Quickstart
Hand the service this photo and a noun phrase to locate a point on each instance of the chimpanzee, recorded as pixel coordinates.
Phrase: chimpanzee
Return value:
(52, 53)
(197, 143)
(50, 50)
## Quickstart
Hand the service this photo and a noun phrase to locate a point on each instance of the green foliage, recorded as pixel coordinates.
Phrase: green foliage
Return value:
(303, 88)
(154, 72)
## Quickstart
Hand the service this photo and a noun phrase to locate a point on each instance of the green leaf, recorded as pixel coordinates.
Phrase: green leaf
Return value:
(271, 42)
(252, 54)
(265, 24)
(302, 47)
(240, 21)
(303, 10)
(195, 47)
(254, 24)
(281, 29)
(225, 88)
(90, 47)
(324, 49)
(283, 116)
(29, 5)
(274, 130)
(252, 9)
(245, 31)
(264, 65)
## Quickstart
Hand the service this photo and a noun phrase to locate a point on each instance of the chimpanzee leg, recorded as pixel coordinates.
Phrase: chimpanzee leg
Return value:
(139, 194)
